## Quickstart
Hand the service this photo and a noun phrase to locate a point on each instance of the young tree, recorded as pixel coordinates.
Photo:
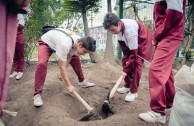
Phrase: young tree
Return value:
(82, 6)
(109, 55)
(189, 33)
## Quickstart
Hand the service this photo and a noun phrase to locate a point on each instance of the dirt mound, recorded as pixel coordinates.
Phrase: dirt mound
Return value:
(63, 109)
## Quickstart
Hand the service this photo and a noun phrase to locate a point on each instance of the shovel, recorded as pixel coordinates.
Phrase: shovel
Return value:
(105, 106)
(90, 109)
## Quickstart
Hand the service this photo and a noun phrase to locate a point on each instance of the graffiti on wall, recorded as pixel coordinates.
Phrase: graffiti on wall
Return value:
(100, 35)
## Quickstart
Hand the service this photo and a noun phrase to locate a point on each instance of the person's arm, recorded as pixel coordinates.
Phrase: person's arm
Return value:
(63, 71)
(173, 16)
(69, 57)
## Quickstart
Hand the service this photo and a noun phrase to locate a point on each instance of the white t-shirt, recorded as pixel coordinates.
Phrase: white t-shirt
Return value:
(21, 19)
(60, 42)
(130, 36)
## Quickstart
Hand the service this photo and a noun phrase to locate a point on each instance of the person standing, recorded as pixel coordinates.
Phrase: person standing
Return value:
(18, 60)
(8, 29)
(168, 36)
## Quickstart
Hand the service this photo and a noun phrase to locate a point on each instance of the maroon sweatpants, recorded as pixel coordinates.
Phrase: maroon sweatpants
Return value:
(76, 65)
(18, 60)
(161, 80)
(8, 29)
(132, 79)
(44, 53)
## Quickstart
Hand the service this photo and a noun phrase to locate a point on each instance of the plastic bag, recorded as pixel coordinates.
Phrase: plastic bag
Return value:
(184, 79)
(182, 112)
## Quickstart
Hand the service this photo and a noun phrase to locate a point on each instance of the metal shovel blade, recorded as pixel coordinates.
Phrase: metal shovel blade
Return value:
(87, 116)
(106, 108)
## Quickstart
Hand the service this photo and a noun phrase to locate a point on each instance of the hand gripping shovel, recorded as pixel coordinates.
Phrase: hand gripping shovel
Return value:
(90, 113)
(105, 106)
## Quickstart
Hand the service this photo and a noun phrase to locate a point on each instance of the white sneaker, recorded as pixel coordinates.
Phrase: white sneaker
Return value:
(38, 100)
(130, 97)
(13, 74)
(19, 76)
(153, 117)
(123, 90)
(86, 84)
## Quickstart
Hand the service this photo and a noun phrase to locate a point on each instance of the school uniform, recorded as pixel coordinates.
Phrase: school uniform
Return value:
(8, 30)
(52, 41)
(135, 42)
(19, 48)
(169, 29)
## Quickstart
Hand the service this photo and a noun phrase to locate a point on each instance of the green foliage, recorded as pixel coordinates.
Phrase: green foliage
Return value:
(54, 13)
(43, 12)
(81, 6)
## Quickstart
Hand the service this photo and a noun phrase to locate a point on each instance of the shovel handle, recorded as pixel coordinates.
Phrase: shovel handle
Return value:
(115, 87)
(82, 101)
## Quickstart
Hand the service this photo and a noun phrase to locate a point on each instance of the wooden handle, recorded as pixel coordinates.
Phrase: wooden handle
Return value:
(82, 101)
(115, 87)
(144, 59)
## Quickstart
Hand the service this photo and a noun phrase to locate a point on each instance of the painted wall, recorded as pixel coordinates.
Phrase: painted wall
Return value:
(100, 35)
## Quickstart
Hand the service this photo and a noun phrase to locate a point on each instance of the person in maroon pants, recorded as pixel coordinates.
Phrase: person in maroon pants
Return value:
(8, 29)
(135, 41)
(167, 37)
(18, 60)
(65, 46)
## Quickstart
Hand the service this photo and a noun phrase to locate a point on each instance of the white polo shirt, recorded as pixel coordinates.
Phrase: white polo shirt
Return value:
(130, 36)
(21, 19)
(60, 42)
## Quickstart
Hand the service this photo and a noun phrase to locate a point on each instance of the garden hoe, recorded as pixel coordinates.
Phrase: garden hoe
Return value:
(105, 106)
(90, 109)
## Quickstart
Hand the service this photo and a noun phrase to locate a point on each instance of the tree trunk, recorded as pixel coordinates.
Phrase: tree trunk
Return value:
(190, 36)
(93, 55)
(77, 21)
(136, 13)
(85, 21)
(109, 54)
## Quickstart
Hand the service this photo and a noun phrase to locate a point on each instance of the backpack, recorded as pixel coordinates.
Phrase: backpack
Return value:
(45, 29)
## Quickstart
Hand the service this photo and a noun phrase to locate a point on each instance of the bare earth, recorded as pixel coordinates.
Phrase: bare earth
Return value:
(62, 109)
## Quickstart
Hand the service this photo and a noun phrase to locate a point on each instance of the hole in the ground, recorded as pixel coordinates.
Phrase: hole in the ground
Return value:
(77, 111)
(101, 111)
(98, 113)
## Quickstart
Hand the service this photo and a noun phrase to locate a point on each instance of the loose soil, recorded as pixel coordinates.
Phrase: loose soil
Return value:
(63, 109)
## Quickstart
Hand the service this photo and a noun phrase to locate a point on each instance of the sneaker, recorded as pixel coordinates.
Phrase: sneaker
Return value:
(130, 97)
(38, 100)
(123, 90)
(13, 74)
(19, 75)
(86, 84)
(153, 117)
